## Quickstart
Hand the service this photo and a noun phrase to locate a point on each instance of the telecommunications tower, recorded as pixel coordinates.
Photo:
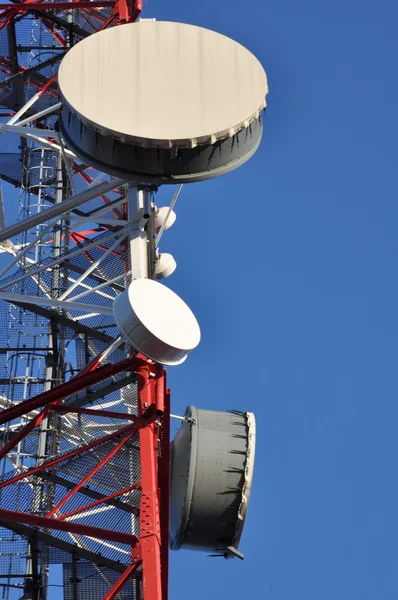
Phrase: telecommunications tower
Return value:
(98, 110)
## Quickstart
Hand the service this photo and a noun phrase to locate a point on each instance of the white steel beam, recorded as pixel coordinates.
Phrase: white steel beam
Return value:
(41, 301)
(102, 285)
(61, 208)
(28, 131)
(91, 268)
(38, 115)
(99, 221)
(48, 266)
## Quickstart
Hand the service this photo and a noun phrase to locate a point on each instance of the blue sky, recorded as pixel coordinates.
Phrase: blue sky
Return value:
(290, 266)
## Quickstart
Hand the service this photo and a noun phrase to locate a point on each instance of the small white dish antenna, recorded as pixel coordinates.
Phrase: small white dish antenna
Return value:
(161, 216)
(165, 265)
(156, 322)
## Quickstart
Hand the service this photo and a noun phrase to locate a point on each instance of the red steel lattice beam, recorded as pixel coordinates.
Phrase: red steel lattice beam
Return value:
(91, 473)
(135, 486)
(149, 513)
(145, 418)
(77, 528)
(67, 389)
(126, 11)
(20, 6)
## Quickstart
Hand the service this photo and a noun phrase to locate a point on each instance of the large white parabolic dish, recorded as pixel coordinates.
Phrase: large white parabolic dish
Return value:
(135, 95)
(159, 82)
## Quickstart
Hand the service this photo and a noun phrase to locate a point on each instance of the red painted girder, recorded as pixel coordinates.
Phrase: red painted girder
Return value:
(91, 473)
(22, 433)
(125, 576)
(78, 528)
(145, 419)
(65, 408)
(67, 389)
(164, 491)
(135, 486)
(59, 5)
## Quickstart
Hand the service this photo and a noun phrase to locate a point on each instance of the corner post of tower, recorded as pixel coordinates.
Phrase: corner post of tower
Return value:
(150, 534)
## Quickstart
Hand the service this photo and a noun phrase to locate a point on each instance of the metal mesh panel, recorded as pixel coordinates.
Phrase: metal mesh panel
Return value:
(113, 265)
(21, 75)
(13, 552)
(94, 582)
(121, 471)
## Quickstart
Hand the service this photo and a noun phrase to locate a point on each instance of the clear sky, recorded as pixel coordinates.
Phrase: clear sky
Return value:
(290, 266)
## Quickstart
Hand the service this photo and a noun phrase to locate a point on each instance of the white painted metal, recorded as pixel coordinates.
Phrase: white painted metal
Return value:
(156, 321)
(24, 108)
(22, 250)
(49, 266)
(62, 208)
(111, 348)
(195, 86)
(27, 131)
(91, 268)
(168, 214)
(99, 221)
(165, 266)
(138, 211)
(97, 288)
(35, 135)
(43, 301)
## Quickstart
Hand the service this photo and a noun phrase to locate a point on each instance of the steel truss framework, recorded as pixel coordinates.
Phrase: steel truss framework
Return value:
(84, 439)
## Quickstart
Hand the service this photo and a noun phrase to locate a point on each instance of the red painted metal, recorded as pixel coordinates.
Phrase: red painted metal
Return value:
(136, 10)
(80, 235)
(129, 572)
(164, 464)
(91, 473)
(60, 5)
(148, 417)
(67, 389)
(20, 435)
(88, 179)
(160, 385)
(135, 486)
(94, 412)
(107, 23)
(48, 84)
(79, 529)
(149, 513)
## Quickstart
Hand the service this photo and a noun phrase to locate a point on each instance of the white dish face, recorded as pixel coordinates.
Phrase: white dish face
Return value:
(157, 83)
(156, 321)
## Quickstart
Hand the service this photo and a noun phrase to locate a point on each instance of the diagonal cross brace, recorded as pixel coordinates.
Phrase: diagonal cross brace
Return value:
(145, 419)
(67, 389)
(77, 528)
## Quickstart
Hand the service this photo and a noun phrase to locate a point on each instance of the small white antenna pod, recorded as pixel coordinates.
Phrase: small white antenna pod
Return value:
(156, 322)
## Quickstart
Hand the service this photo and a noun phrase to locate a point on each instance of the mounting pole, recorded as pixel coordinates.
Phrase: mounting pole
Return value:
(139, 211)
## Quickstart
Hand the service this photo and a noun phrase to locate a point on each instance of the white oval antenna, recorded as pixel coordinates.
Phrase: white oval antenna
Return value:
(156, 321)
